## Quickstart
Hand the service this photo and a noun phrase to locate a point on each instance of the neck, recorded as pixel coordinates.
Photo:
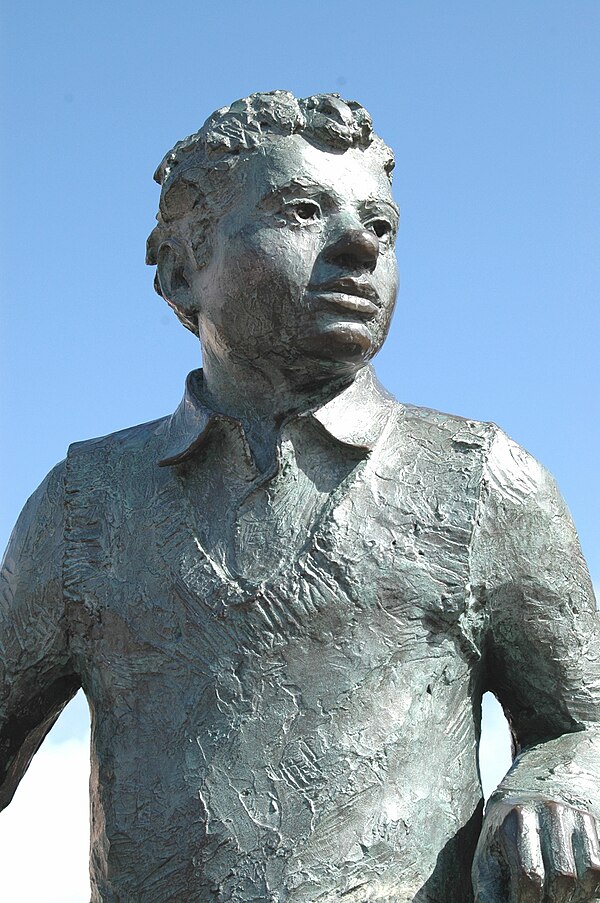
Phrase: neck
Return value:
(261, 397)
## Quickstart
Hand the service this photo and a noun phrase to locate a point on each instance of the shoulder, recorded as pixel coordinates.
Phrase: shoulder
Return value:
(524, 541)
(442, 434)
(522, 515)
(515, 480)
(133, 439)
(511, 480)
(506, 463)
(33, 559)
(109, 476)
(126, 454)
(463, 430)
(41, 518)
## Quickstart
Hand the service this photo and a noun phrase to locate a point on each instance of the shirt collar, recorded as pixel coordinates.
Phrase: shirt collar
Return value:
(355, 417)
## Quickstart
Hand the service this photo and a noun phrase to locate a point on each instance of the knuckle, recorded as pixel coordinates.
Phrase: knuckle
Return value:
(564, 881)
(591, 876)
(593, 866)
(529, 879)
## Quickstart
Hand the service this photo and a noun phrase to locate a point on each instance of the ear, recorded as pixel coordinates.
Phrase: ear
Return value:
(172, 274)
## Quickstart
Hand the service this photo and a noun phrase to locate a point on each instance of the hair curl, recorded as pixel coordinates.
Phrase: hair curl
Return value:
(195, 189)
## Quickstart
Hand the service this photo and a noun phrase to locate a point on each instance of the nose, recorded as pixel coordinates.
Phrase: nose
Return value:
(355, 249)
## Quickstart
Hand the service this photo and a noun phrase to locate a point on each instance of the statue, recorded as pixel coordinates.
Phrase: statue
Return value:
(285, 601)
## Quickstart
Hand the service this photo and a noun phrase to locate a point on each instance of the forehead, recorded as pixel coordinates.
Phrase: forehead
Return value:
(354, 174)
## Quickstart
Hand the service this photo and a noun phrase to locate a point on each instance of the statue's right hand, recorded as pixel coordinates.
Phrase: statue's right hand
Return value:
(537, 851)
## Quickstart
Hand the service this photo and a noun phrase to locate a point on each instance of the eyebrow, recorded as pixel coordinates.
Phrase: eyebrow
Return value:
(305, 185)
(309, 187)
(377, 203)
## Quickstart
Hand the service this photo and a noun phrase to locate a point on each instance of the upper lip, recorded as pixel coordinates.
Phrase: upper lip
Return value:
(349, 285)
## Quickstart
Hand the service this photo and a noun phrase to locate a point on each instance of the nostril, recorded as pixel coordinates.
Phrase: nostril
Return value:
(348, 261)
(354, 247)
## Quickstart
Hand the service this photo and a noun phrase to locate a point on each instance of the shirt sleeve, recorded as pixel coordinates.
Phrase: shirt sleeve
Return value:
(542, 638)
(36, 676)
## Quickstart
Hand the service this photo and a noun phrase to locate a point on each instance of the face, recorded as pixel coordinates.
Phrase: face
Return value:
(302, 275)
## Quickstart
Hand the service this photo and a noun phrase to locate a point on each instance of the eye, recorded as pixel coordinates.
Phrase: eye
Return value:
(380, 227)
(306, 211)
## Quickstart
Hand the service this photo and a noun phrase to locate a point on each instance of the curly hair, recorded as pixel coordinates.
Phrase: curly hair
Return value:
(195, 188)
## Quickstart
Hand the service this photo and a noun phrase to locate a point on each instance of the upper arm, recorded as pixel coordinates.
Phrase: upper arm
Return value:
(36, 678)
(542, 653)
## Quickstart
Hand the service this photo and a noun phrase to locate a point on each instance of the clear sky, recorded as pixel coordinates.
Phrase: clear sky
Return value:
(493, 110)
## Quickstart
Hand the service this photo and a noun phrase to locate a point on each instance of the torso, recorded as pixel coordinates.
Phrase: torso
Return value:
(304, 735)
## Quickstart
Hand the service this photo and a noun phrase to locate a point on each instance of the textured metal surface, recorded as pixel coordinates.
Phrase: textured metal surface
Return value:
(285, 601)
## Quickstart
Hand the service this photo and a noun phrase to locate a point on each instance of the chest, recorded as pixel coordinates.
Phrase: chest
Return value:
(380, 569)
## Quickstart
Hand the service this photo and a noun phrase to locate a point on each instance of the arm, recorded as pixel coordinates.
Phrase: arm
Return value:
(36, 678)
(540, 836)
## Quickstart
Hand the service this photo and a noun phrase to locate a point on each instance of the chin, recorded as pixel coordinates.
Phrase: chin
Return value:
(335, 354)
(345, 341)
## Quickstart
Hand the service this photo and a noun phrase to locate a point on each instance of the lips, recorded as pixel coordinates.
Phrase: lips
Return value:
(349, 294)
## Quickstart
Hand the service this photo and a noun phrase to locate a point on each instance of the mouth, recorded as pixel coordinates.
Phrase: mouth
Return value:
(349, 294)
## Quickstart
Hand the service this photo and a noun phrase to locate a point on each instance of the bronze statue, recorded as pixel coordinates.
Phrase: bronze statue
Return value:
(285, 601)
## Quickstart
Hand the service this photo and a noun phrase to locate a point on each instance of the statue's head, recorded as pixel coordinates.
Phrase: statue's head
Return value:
(276, 229)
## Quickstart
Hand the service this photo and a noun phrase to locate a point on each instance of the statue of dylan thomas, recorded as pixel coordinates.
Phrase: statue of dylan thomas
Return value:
(285, 601)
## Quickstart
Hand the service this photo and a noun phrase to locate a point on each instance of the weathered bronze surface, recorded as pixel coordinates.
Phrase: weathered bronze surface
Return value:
(285, 601)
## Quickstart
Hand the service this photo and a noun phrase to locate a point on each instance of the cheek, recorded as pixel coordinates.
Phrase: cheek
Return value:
(388, 281)
(271, 261)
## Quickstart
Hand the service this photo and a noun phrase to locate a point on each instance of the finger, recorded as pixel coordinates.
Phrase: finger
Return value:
(490, 873)
(586, 849)
(489, 881)
(521, 850)
(557, 829)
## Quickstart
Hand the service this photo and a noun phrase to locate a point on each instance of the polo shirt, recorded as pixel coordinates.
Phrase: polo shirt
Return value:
(285, 669)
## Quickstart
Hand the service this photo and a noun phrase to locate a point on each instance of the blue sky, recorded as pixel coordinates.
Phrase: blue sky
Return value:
(493, 111)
